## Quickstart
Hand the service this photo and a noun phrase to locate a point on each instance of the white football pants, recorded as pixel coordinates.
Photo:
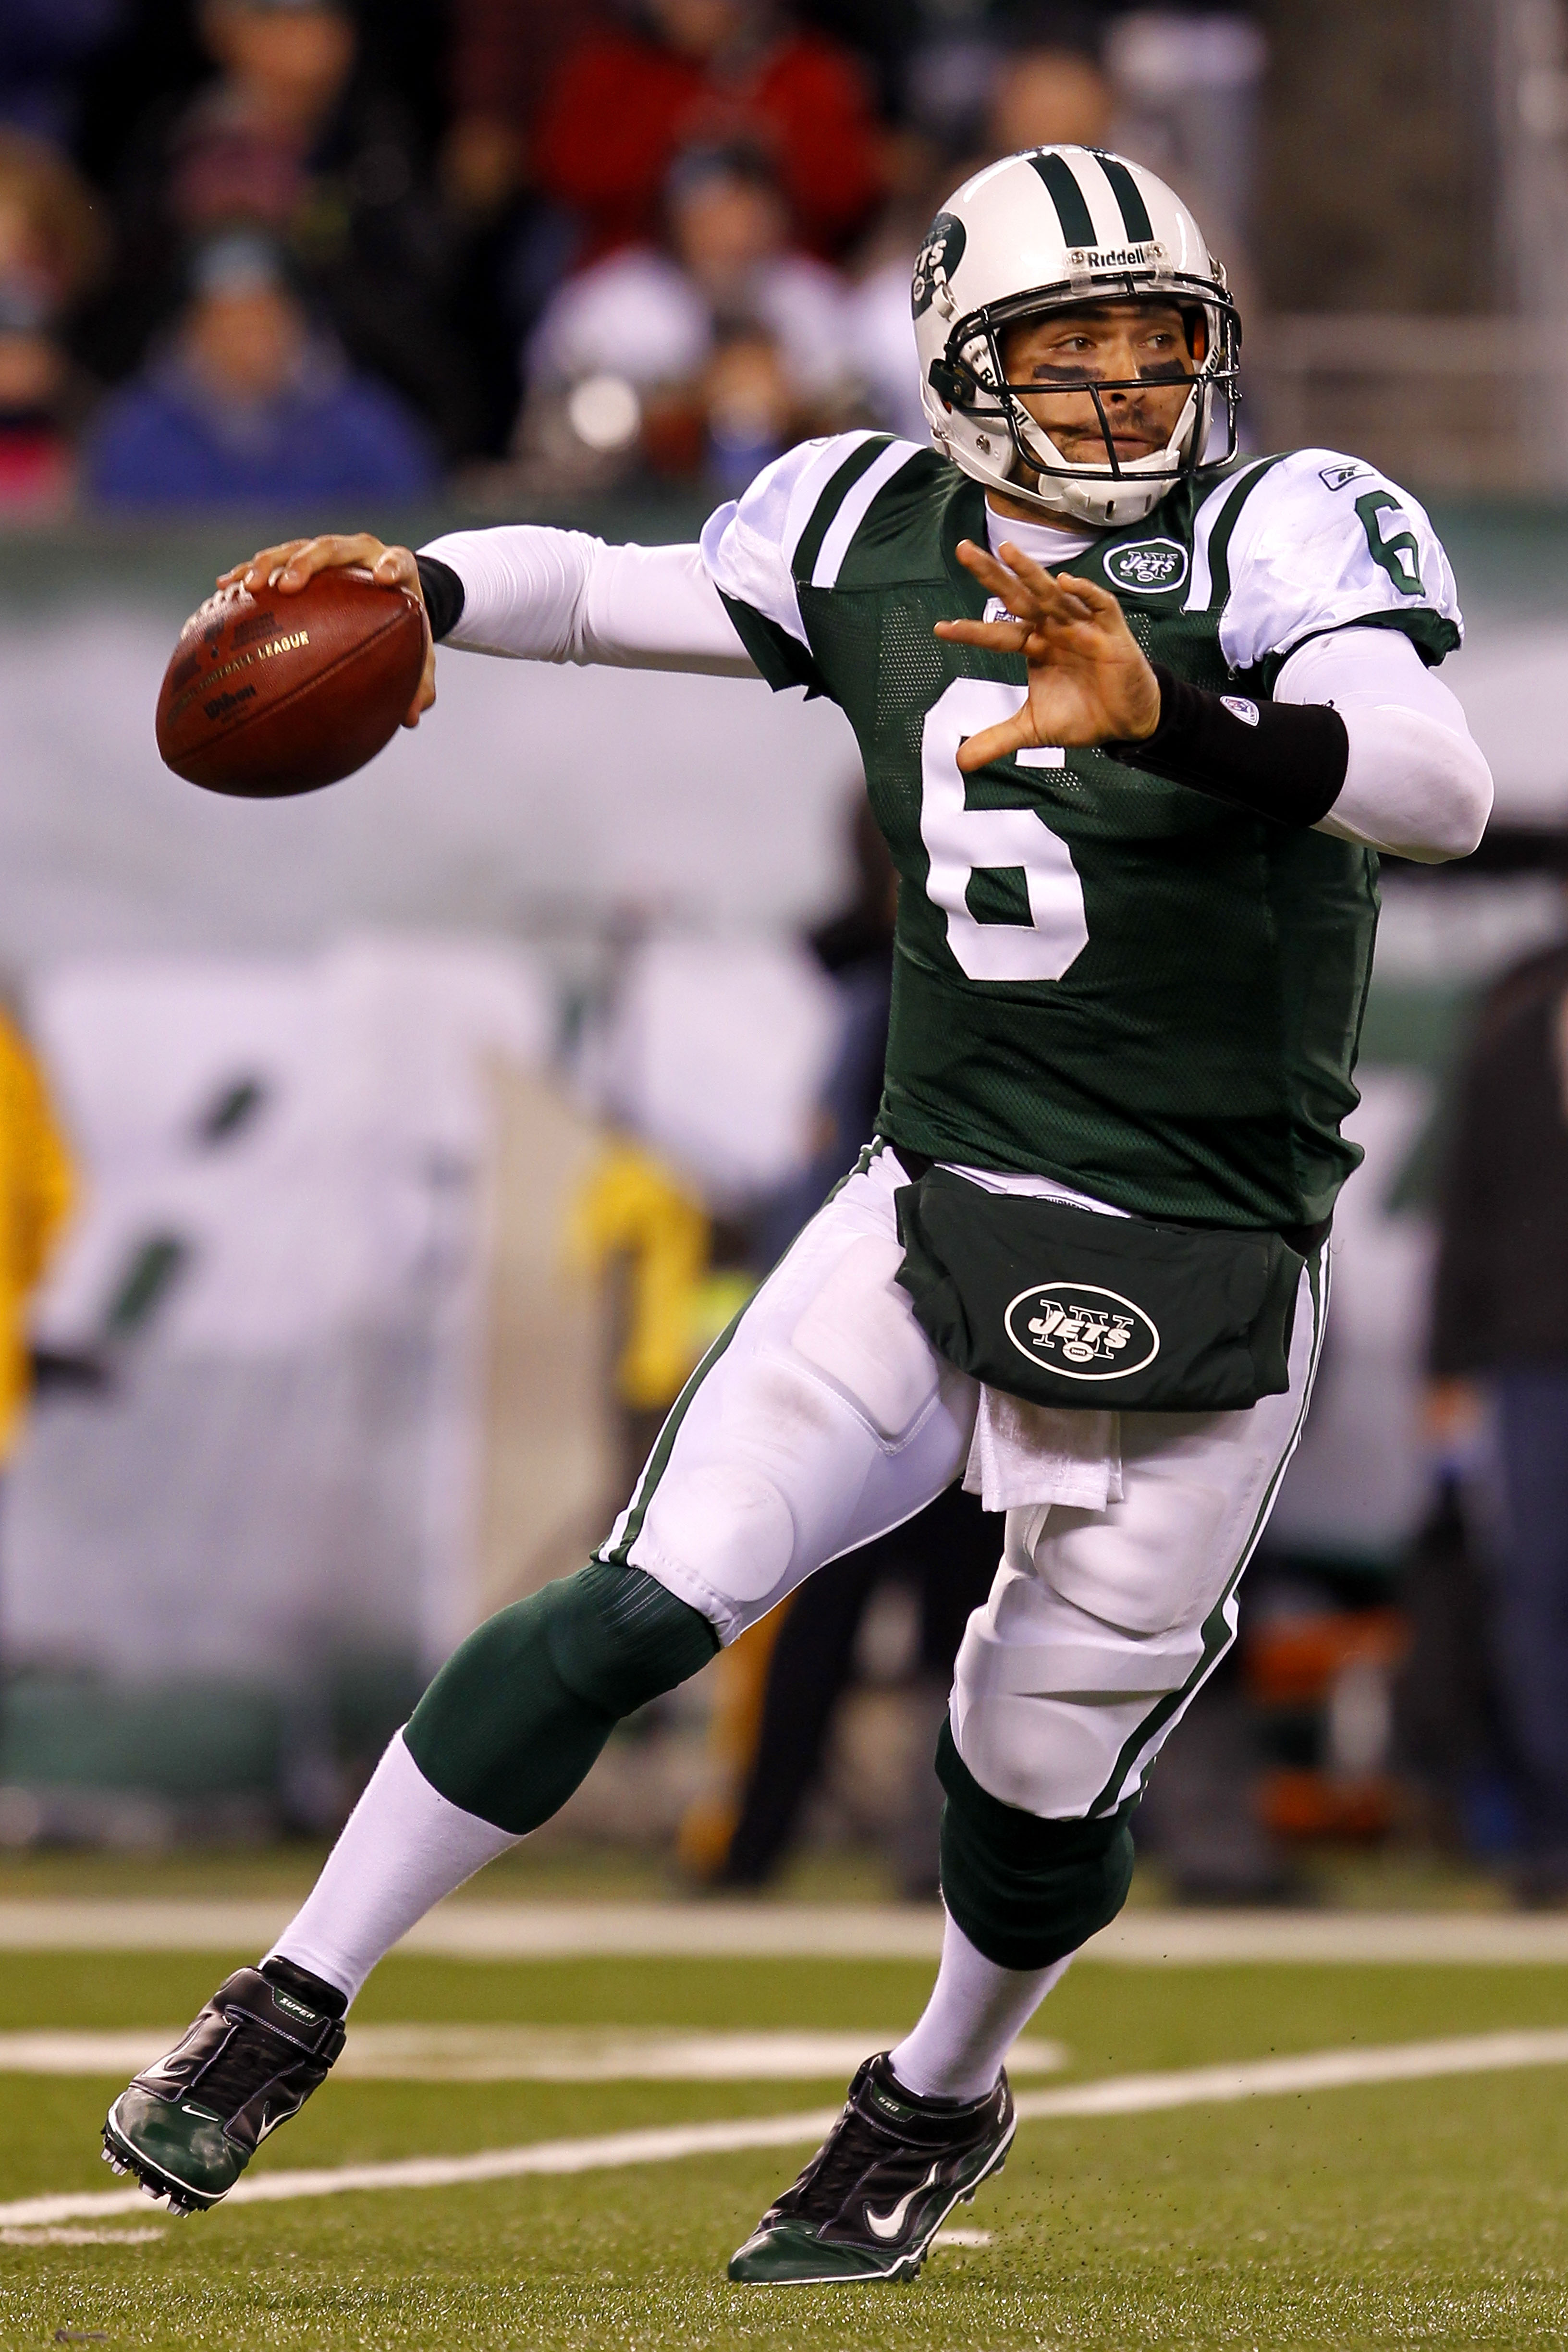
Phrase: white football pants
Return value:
(825, 1417)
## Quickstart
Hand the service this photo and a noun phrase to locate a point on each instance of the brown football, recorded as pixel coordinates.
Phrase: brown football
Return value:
(269, 695)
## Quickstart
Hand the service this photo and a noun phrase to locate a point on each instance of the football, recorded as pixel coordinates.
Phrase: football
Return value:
(265, 696)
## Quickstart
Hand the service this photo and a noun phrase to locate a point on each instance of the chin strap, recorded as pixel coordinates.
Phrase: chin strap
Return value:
(1033, 444)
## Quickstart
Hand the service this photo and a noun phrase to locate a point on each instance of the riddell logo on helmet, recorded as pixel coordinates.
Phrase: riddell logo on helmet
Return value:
(1116, 257)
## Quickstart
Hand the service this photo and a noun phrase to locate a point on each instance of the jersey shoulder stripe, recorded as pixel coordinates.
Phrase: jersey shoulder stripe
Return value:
(1316, 541)
(841, 485)
(749, 545)
(854, 508)
(898, 526)
(1214, 505)
(796, 486)
(1224, 533)
(807, 521)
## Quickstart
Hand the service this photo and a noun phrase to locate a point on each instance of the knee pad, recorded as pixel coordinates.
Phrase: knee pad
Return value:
(1046, 1697)
(516, 1717)
(1025, 1891)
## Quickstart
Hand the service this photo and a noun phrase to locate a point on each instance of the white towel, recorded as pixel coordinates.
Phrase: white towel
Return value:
(1025, 1454)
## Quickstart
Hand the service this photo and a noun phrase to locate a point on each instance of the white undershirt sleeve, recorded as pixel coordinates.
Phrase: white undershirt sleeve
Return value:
(1417, 783)
(535, 594)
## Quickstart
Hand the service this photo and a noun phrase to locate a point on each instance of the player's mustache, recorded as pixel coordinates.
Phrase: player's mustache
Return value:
(1131, 424)
(1125, 414)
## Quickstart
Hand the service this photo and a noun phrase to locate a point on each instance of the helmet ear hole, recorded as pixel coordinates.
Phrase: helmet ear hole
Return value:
(1194, 319)
(950, 383)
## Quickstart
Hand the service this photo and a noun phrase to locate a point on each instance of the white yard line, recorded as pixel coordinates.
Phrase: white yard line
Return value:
(476, 1929)
(1317, 2070)
(81, 2237)
(1119, 2095)
(519, 2053)
(1395, 1938)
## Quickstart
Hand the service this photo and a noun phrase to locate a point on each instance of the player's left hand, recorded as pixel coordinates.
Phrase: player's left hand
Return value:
(285, 567)
(1089, 681)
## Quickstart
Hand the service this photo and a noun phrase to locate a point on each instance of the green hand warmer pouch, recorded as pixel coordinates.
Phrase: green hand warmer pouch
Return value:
(1064, 1306)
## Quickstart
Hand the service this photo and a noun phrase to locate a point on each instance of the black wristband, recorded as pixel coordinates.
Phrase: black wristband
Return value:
(1282, 760)
(443, 595)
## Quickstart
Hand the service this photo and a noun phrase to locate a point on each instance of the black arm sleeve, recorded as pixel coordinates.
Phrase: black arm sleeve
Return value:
(443, 595)
(1282, 760)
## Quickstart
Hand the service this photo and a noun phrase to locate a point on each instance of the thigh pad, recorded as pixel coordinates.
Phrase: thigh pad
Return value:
(858, 1334)
(1158, 1560)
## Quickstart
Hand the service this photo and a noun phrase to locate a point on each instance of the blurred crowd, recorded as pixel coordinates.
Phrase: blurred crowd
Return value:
(256, 249)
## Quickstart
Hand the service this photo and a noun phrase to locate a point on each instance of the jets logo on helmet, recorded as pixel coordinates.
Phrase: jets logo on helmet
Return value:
(1047, 230)
(942, 253)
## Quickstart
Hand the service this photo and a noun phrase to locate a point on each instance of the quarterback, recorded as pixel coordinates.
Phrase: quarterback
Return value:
(1137, 716)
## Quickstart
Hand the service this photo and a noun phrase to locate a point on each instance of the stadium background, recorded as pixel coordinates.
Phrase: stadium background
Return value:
(315, 1438)
(422, 1134)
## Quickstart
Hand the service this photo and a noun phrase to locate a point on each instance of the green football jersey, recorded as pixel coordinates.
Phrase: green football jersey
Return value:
(1099, 976)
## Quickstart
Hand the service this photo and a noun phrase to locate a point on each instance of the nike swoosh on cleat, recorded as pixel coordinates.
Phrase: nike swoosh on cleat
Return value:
(888, 2225)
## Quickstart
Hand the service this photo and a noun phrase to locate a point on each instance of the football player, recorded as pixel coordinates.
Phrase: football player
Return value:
(1137, 716)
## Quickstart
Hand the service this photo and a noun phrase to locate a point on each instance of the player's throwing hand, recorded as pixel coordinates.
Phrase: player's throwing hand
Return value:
(1088, 683)
(285, 569)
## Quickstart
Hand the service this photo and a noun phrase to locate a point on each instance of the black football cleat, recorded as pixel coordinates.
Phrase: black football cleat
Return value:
(881, 2185)
(188, 2126)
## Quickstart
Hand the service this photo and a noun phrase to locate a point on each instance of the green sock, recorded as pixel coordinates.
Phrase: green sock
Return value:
(516, 1717)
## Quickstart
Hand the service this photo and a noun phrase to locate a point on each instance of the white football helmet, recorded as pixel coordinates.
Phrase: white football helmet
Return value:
(1042, 231)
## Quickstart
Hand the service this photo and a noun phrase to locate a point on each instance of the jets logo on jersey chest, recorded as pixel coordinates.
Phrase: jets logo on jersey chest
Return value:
(1080, 1331)
(1149, 567)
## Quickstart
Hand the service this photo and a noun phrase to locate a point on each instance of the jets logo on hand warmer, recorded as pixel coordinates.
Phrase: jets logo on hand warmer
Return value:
(1080, 1331)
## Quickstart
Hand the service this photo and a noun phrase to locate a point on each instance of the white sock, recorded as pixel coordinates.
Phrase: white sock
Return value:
(975, 2013)
(402, 1847)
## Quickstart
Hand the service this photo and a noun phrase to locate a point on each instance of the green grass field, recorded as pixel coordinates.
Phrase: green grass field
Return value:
(1429, 2213)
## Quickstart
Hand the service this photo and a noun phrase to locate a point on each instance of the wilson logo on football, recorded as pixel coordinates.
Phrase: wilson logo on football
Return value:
(1080, 1331)
(1150, 567)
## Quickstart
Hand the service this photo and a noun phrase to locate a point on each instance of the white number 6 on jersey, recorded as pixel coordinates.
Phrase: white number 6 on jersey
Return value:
(961, 841)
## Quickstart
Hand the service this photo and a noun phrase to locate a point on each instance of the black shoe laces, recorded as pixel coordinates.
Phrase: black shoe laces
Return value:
(852, 2147)
(252, 2057)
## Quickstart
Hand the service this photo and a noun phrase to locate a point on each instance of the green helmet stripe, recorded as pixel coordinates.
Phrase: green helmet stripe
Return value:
(1072, 210)
(1135, 218)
